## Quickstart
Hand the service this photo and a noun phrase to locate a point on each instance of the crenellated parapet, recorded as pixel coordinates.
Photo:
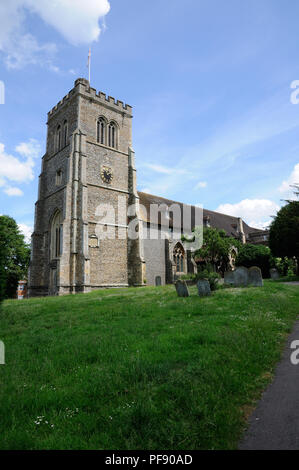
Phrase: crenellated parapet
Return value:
(82, 86)
(61, 103)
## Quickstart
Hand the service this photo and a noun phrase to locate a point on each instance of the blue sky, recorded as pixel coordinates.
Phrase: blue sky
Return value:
(210, 83)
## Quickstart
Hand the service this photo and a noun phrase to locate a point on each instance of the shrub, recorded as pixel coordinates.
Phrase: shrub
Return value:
(188, 277)
(211, 276)
(255, 255)
(285, 266)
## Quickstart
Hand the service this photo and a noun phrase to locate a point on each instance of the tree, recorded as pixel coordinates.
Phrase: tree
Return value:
(284, 232)
(255, 255)
(14, 256)
(216, 248)
(296, 189)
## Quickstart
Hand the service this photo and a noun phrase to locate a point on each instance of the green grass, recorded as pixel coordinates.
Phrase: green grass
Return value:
(139, 369)
(291, 278)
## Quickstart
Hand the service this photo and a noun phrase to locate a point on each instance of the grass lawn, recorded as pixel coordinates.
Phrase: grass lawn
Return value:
(139, 369)
(292, 278)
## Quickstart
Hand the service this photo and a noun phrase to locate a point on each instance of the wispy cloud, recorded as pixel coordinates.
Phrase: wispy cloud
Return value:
(221, 146)
(165, 170)
(270, 118)
(12, 191)
(201, 185)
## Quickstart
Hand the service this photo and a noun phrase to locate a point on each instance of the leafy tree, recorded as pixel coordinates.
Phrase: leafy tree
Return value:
(14, 256)
(296, 190)
(284, 232)
(216, 248)
(255, 255)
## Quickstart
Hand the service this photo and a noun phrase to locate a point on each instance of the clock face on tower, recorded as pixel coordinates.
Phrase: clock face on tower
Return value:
(106, 174)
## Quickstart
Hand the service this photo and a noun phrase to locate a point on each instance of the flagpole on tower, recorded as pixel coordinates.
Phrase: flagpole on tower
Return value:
(88, 64)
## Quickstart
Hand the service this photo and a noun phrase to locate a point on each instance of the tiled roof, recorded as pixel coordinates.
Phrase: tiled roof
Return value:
(216, 219)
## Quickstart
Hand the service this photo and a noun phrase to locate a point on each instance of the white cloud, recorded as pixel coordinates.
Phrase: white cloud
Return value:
(12, 191)
(293, 179)
(145, 190)
(17, 169)
(260, 225)
(76, 20)
(255, 212)
(26, 231)
(164, 170)
(13, 169)
(30, 149)
(201, 185)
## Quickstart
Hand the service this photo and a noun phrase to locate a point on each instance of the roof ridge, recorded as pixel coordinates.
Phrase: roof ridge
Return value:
(184, 203)
(229, 218)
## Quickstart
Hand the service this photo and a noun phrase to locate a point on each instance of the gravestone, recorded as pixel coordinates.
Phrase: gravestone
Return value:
(229, 278)
(182, 289)
(241, 277)
(203, 287)
(274, 274)
(255, 277)
(158, 281)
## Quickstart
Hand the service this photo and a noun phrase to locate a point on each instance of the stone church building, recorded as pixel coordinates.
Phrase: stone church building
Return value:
(88, 176)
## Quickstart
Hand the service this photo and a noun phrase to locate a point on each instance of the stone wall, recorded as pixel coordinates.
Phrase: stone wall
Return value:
(80, 266)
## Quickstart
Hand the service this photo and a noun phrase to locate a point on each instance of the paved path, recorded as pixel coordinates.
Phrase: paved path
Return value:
(275, 422)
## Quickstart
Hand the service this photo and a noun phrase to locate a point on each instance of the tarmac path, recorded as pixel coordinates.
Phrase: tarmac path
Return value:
(274, 424)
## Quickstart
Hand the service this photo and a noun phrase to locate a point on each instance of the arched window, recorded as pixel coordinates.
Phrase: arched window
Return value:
(178, 257)
(58, 138)
(112, 135)
(101, 131)
(65, 133)
(56, 236)
(58, 179)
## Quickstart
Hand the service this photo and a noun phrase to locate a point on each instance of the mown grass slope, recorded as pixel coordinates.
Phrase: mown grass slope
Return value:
(138, 369)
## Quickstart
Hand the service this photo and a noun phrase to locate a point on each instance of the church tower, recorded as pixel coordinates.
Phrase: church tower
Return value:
(88, 181)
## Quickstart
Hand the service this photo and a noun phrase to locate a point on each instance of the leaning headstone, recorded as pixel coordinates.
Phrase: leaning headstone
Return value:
(229, 278)
(203, 287)
(255, 277)
(182, 289)
(274, 274)
(241, 277)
